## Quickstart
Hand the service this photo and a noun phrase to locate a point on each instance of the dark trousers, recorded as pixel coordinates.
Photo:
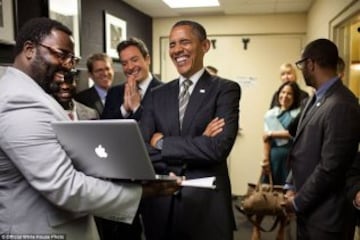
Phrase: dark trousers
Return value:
(306, 232)
(110, 230)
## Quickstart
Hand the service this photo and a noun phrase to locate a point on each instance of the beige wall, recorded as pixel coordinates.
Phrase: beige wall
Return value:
(320, 15)
(222, 25)
(246, 155)
(315, 25)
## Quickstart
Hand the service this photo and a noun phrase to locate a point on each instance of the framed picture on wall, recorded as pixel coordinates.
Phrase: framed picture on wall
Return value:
(7, 23)
(115, 32)
(68, 13)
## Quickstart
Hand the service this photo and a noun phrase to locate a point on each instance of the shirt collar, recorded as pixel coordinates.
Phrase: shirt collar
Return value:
(101, 92)
(194, 78)
(145, 83)
(323, 89)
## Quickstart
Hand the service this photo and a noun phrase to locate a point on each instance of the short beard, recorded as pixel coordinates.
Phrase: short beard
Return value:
(44, 74)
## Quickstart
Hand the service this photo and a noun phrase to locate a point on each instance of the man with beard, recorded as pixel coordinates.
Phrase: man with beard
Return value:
(64, 93)
(41, 193)
(324, 148)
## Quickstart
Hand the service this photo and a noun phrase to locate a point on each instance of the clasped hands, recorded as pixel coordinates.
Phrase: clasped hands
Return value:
(132, 97)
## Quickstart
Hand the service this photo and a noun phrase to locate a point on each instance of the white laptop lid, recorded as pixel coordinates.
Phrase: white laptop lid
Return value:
(111, 149)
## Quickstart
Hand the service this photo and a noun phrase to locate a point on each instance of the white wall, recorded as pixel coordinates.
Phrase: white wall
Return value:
(320, 15)
(222, 25)
(315, 24)
(246, 155)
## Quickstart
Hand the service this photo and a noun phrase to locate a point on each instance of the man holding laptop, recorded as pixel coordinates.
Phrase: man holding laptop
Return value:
(41, 193)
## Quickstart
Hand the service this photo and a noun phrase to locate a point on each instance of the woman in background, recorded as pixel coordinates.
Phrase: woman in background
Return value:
(277, 141)
(287, 74)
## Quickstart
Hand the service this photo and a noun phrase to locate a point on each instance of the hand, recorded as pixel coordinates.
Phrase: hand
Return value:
(288, 202)
(357, 199)
(214, 127)
(265, 164)
(132, 97)
(155, 138)
(162, 188)
(290, 194)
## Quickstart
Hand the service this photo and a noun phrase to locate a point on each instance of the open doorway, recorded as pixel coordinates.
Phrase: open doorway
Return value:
(345, 32)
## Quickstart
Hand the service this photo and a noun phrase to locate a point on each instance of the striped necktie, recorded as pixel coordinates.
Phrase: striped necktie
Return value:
(184, 99)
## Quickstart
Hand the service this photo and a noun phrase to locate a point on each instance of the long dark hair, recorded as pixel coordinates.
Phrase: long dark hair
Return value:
(296, 93)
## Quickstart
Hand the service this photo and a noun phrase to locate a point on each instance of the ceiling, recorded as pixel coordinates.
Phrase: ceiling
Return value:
(157, 8)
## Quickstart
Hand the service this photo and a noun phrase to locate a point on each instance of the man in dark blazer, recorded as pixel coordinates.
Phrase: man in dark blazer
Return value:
(101, 71)
(324, 148)
(188, 149)
(126, 100)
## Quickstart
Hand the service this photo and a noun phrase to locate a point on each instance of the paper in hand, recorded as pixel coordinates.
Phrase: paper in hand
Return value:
(206, 182)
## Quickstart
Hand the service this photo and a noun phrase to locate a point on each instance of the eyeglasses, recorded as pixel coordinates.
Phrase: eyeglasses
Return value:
(301, 63)
(65, 57)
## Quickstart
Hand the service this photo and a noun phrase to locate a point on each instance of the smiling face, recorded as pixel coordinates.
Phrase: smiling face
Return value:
(46, 63)
(186, 50)
(286, 97)
(287, 74)
(134, 64)
(102, 73)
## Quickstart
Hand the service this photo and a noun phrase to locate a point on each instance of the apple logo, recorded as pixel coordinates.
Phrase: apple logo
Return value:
(101, 152)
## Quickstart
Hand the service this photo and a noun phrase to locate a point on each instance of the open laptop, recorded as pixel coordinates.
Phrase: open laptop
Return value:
(108, 149)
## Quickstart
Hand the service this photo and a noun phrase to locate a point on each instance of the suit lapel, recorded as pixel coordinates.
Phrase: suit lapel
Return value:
(80, 111)
(313, 114)
(304, 112)
(171, 104)
(153, 83)
(198, 95)
(97, 100)
(56, 108)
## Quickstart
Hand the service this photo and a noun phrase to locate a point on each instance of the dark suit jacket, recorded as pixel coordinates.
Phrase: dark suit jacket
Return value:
(90, 98)
(115, 98)
(198, 213)
(323, 150)
(353, 183)
(353, 179)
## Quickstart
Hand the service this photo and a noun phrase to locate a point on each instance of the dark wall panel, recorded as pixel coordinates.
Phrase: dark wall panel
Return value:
(92, 37)
(93, 28)
(92, 24)
(23, 11)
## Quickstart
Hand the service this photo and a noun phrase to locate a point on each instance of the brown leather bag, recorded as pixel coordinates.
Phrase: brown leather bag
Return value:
(263, 199)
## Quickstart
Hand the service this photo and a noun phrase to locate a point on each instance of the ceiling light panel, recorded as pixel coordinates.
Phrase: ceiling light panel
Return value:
(191, 3)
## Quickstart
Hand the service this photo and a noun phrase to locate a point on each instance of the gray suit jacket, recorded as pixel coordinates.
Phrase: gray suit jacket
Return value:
(324, 148)
(84, 112)
(40, 191)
